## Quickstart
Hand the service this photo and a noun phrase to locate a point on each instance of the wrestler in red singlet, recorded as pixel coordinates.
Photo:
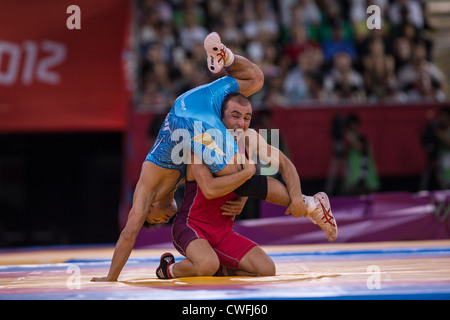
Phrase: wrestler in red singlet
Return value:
(201, 218)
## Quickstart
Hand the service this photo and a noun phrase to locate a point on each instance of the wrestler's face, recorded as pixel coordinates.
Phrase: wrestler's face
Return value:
(236, 116)
(161, 212)
(157, 217)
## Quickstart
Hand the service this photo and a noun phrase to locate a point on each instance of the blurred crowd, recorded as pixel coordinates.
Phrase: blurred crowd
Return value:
(317, 51)
(436, 140)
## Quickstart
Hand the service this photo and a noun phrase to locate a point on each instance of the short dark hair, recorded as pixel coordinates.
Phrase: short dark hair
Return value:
(237, 97)
(149, 226)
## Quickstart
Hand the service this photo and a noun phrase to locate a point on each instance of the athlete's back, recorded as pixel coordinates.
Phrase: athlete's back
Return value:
(196, 111)
(204, 103)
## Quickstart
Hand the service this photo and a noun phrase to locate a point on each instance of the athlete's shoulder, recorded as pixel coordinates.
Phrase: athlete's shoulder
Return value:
(227, 79)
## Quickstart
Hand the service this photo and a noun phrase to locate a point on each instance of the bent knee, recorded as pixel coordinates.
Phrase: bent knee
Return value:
(267, 270)
(208, 267)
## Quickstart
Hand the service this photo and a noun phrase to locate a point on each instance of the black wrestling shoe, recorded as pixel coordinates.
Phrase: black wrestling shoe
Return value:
(164, 263)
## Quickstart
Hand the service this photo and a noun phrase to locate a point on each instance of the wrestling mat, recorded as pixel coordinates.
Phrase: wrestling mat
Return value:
(381, 270)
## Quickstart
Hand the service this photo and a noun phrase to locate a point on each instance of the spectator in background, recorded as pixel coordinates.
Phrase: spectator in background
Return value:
(191, 32)
(436, 141)
(379, 72)
(230, 32)
(409, 31)
(421, 79)
(155, 84)
(153, 55)
(158, 89)
(295, 87)
(170, 33)
(166, 37)
(358, 18)
(260, 18)
(298, 44)
(337, 42)
(315, 89)
(151, 14)
(332, 18)
(343, 81)
(443, 148)
(274, 96)
(402, 52)
(304, 12)
(190, 75)
(308, 12)
(362, 46)
(203, 75)
(360, 172)
(273, 72)
(337, 160)
(406, 11)
(260, 28)
(195, 7)
(270, 64)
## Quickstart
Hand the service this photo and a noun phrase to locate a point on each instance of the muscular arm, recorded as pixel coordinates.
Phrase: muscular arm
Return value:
(148, 190)
(214, 187)
(247, 74)
(127, 238)
(276, 159)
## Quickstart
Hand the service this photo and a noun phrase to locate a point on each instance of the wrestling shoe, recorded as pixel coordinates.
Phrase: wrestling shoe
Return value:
(221, 272)
(323, 217)
(162, 272)
(218, 54)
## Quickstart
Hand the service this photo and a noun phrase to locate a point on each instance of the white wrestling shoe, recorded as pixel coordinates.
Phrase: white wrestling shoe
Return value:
(218, 54)
(323, 217)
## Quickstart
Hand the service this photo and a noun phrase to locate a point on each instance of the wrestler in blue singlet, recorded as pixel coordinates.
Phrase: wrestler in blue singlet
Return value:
(198, 113)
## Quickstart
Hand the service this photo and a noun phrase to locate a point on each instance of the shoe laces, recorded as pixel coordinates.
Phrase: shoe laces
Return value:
(327, 218)
(221, 54)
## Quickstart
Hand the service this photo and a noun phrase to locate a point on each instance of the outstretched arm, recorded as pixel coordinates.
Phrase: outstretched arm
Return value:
(127, 239)
(154, 185)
